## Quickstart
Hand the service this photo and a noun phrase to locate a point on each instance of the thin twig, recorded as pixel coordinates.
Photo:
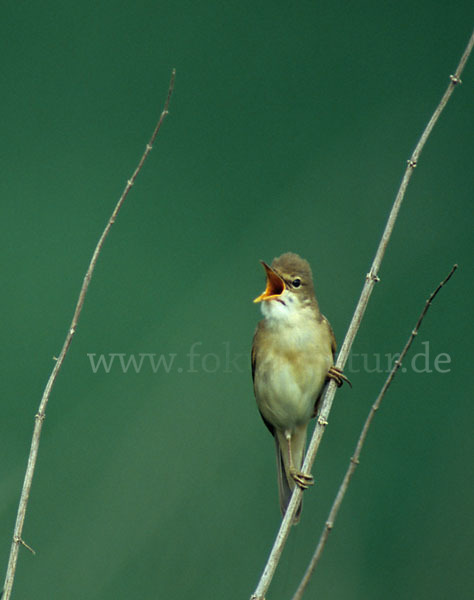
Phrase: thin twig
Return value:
(39, 418)
(354, 461)
(370, 280)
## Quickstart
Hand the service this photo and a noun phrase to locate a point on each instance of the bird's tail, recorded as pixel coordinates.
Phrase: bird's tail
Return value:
(286, 483)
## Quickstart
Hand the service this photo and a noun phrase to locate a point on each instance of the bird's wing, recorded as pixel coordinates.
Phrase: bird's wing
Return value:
(332, 336)
(253, 357)
(253, 354)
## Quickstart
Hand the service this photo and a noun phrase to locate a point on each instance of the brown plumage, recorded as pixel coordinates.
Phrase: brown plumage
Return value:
(292, 355)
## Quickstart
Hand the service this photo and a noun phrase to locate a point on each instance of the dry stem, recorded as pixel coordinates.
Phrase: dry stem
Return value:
(370, 280)
(39, 418)
(354, 461)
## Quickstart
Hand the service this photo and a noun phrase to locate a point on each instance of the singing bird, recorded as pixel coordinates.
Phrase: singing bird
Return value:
(292, 360)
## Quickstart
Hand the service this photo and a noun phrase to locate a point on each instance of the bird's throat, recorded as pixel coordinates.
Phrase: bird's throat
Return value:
(288, 310)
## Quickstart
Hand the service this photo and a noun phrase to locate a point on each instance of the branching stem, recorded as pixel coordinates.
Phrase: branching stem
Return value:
(39, 418)
(354, 461)
(370, 280)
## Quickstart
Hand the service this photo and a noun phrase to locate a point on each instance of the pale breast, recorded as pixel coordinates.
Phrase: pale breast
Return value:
(291, 372)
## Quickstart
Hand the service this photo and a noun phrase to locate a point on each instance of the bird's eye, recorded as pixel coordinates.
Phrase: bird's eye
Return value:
(296, 282)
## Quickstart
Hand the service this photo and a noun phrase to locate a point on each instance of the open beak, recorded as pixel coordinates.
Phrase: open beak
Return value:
(275, 285)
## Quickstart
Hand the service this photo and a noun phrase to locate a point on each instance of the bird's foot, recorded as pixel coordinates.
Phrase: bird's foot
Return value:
(302, 480)
(338, 376)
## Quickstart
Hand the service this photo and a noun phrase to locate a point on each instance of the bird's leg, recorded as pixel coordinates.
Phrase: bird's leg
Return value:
(302, 480)
(338, 376)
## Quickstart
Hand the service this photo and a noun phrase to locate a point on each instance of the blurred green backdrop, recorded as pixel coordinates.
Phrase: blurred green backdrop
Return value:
(289, 130)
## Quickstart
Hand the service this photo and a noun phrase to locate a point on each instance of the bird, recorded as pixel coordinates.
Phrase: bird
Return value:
(292, 358)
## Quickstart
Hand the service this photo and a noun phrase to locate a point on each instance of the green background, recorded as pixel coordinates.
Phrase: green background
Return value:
(289, 129)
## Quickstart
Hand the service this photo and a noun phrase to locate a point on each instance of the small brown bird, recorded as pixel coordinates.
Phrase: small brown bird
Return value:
(292, 360)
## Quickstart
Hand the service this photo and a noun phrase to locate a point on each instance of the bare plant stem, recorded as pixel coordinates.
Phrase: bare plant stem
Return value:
(354, 461)
(40, 415)
(370, 280)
